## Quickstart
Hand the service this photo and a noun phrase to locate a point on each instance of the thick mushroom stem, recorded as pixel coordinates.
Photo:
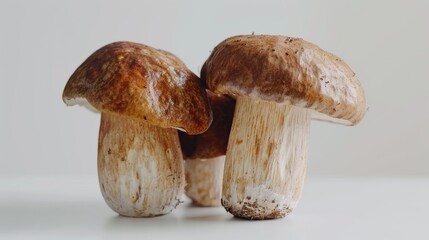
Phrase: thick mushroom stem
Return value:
(266, 159)
(140, 167)
(204, 181)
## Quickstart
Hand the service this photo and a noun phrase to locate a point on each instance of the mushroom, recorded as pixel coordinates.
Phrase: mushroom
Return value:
(144, 95)
(280, 84)
(205, 154)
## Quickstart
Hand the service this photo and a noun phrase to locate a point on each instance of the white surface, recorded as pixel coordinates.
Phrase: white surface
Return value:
(331, 208)
(385, 42)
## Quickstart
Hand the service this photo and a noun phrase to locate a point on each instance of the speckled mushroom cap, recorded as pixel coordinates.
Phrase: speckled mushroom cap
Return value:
(141, 82)
(214, 141)
(286, 70)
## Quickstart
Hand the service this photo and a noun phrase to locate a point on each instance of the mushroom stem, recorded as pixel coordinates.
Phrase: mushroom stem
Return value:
(140, 167)
(266, 159)
(204, 181)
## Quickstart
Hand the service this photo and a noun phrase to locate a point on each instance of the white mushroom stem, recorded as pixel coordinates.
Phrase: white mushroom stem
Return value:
(266, 159)
(204, 181)
(140, 167)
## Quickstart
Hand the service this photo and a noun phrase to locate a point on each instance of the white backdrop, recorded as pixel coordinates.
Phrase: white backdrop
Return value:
(385, 42)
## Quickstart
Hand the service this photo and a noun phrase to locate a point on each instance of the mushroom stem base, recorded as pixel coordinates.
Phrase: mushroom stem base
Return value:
(140, 167)
(266, 159)
(204, 181)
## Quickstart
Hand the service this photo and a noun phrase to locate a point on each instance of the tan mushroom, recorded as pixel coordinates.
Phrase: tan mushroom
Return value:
(280, 84)
(144, 95)
(205, 154)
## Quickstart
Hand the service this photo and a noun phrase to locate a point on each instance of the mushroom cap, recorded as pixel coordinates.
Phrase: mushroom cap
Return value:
(140, 82)
(286, 70)
(214, 141)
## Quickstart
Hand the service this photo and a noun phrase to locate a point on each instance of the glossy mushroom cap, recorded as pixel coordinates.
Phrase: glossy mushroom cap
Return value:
(286, 70)
(214, 141)
(140, 82)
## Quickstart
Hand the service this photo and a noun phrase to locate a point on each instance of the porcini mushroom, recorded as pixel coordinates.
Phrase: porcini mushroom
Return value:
(204, 154)
(144, 95)
(280, 84)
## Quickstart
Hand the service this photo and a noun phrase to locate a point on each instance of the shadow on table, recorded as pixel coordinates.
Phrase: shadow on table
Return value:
(89, 217)
(187, 213)
(119, 223)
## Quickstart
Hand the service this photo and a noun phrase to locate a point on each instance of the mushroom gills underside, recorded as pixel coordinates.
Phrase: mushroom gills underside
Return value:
(81, 101)
(318, 116)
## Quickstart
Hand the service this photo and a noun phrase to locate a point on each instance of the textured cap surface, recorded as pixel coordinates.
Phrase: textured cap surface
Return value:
(214, 141)
(141, 82)
(284, 69)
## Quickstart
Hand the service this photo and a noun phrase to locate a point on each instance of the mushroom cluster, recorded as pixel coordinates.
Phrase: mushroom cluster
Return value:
(250, 111)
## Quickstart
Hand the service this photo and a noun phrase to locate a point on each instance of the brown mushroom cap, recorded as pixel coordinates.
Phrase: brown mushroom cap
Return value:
(286, 70)
(141, 82)
(214, 141)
